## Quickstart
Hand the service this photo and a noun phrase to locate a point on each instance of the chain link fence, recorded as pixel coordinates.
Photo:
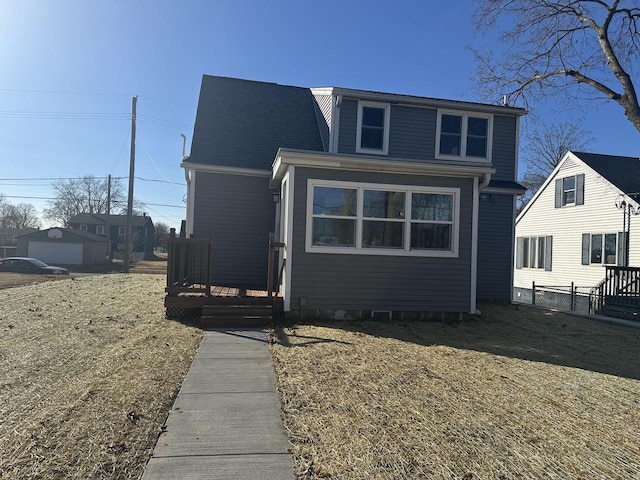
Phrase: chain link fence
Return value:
(572, 297)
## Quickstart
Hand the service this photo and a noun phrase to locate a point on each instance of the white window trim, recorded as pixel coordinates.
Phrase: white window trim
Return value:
(358, 249)
(385, 136)
(604, 262)
(101, 229)
(122, 230)
(84, 227)
(463, 141)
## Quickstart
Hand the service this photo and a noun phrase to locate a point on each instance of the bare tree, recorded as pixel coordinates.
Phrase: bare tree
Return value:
(581, 47)
(546, 144)
(22, 215)
(162, 233)
(84, 195)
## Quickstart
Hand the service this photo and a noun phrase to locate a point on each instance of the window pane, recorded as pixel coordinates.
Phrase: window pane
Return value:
(372, 138)
(541, 252)
(610, 248)
(596, 248)
(334, 201)
(532, 253)
(450, 144)
(373, 117)
(525, 252)
(477, 127)
(430, 236)
(382, 234)
(430, 206)
(476, 147)
(379, 204)
(334, 231)
(569, 183)
(451, 124)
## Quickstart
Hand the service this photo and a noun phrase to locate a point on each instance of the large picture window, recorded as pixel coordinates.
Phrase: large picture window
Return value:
(463, 135)
(382, 219)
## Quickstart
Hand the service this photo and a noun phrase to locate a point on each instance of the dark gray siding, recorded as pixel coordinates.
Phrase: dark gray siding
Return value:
(377, 282)
(412, 136)
(495, 243)
(240, 213)
(412, 131)
(503, 155)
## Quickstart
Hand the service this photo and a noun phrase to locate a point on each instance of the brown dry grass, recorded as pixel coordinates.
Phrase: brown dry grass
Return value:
(518, 394)
(90, 368)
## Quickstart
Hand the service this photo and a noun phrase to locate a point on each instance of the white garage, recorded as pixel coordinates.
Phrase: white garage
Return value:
(63, 246)
(56, 253)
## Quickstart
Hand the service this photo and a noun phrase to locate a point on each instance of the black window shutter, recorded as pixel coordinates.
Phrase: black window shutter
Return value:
(519, 252)
(585, 248)
(548, 245)
(558, 193)
(580, 189)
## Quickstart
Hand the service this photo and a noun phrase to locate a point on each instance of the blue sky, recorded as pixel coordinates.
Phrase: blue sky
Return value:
(71, 67)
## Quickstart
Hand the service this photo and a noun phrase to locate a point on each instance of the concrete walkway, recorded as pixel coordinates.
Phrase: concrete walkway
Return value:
(225, 422)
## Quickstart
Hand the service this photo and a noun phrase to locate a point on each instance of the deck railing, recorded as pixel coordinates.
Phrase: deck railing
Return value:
(621, 287)
(188, 264)
(271, 279)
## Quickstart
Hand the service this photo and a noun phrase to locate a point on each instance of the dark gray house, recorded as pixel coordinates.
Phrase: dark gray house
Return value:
(143, 231)
(385, 202)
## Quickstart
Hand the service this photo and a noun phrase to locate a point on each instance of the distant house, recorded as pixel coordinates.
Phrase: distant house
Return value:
(574, 226)
(385, 202)
(9, 239)
(143, 232)
(63, 246)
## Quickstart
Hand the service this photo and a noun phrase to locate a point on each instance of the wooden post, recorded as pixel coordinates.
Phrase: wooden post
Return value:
(573, 298)
(209, 253)
(533, 293)
(270, 265)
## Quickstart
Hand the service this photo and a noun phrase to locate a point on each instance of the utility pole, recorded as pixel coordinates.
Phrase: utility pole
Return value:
(109, 219)
(132, 161)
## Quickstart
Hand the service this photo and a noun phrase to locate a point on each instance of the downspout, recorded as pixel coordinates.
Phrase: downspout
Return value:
(477, 188)
(187, 178)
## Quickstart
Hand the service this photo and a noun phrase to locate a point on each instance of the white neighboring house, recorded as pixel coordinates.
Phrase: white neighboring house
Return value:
(574, 227)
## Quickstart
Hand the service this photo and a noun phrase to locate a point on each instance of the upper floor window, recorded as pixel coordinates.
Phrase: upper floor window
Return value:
(382, 219)
(570, 191)
(101, 229)
(463, 135)
(122, 230)
(373, 128)
(83, 228)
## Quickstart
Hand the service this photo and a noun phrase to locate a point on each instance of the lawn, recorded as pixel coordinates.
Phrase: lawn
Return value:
(519, 393)
(90, 369)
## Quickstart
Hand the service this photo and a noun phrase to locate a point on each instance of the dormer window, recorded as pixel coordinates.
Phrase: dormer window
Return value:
(373, 128)
(463, 136)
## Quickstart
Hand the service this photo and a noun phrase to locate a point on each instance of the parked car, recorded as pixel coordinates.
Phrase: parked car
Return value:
(29, 265)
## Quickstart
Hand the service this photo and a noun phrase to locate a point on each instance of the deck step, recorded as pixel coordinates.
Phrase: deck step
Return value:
(238, 315)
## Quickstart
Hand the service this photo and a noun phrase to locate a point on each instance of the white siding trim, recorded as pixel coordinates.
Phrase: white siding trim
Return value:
(474, 246)
(249, 172)
(191, 201)
(288, 253)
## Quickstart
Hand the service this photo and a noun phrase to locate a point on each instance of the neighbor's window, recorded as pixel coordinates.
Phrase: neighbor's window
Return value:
(122, 230)
(83, 228)
(600, 248)
(463, 135)
(101, 230)
(534, 252)
(395, 220)
(570, 191)
(373, 128)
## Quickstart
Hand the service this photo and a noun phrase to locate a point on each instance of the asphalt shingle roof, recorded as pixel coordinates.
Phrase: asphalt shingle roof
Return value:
(271, 116)
(623, 172)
